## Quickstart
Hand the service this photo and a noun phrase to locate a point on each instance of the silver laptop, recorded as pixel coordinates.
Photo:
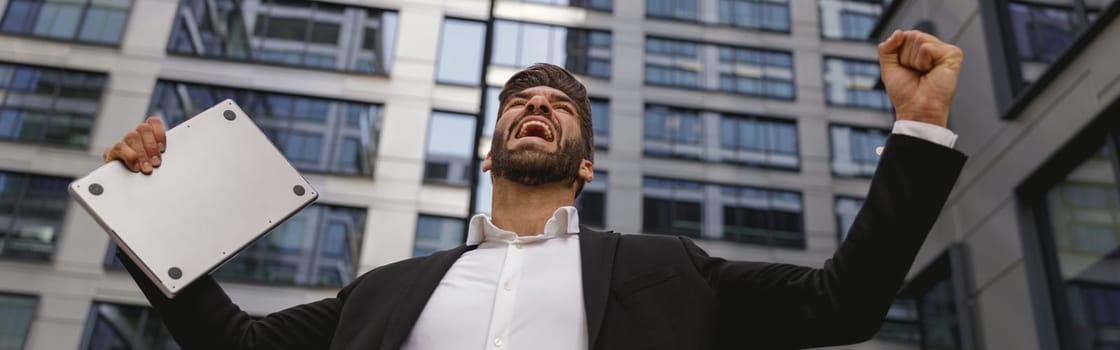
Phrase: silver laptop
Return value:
(221, 186)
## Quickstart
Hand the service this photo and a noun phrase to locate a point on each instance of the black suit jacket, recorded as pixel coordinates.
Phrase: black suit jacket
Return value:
(640, 291)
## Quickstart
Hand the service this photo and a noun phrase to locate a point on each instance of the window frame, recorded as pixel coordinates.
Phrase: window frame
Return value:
(952, 266)
(484, 51)
(61, 224)
(178, 7)
(568, 34)
(878, 78)
(720, 25)
(570, 5)
(470, 180)
(415, 231)
(35, 311)
(55, 96)
(1047, 287)
(91, 319)
(1012, 94)
(832, 150)
(77, 30)
(871, 31)
(716, 86)
(377, 129)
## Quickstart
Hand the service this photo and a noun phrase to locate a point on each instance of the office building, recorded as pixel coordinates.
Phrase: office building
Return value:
(749, 125)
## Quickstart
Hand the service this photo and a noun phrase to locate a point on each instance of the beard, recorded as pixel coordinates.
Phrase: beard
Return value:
(531, 165)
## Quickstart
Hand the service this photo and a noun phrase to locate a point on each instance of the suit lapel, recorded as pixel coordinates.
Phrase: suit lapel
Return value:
(597, 251)
(414, 297)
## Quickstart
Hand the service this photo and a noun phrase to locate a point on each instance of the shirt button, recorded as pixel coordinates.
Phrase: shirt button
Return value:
(498, 342)
(509, 286)
(518, 245)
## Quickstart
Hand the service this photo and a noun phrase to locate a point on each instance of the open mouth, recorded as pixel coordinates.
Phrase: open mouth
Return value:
(535, 128)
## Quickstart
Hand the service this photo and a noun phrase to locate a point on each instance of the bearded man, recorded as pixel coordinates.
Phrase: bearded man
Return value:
(530, 277)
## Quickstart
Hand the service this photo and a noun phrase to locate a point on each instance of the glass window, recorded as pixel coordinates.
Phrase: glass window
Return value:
(740, 70)
(672, 132)
(687, 10)
(672, 207)
(758, 141)
(316, 134)
(318, 247)
(771, 15)
(115, 326)
(760, 216)
(720, 212)
(848, 19)
(600, 5)
(460, 52)
(1041, 31)
(852, 83)
(18, 311)
(309, 34)
(101, 21)
(450, 147)
(47, 105)
(601, 122)
(854, 150)
(436, 233)
(1082, 220)
(901, 323)
(32, 208)
(592, 202)
(581, 51)
(846, 210)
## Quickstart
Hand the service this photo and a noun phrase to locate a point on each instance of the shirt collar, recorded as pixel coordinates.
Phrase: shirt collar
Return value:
(564, 221)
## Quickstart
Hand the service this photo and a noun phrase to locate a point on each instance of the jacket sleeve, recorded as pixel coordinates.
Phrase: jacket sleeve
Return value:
(202, 316)
(784, 306)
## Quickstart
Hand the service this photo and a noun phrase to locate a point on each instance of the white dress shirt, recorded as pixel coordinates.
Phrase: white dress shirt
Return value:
(527, 292)
(509, 293)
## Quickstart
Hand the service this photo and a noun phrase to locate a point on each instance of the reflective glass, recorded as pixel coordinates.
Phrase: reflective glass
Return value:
(672, 207)
(760, 216)
(848, 19)
(102, 21)
(435, 233)
(758, 141)
(740, 70)
(755, 14)
(1083, 212)
(308, 34)
(601, 122)
(318, 247)
(854, 150)
(32, 208)
(601, 5)
(670, 131)
(581, 51)
(460, 52)
(316, 134)
(48, 105)
(18, 311)
(450, 147)
(852, 83)
(592, 202)
(116, 326)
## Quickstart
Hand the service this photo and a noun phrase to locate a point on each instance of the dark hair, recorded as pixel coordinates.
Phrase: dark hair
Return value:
(544, 74)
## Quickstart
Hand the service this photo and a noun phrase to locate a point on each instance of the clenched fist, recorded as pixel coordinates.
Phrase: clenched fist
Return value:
(140, 149)
(920, 73)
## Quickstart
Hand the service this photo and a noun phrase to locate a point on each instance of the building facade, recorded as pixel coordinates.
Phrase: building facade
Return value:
(749, 125)
(1027, 252)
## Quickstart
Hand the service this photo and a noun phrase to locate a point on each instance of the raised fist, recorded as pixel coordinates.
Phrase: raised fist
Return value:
(920, 73)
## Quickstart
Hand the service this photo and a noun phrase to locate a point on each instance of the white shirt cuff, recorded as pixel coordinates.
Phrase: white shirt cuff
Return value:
(926, 131)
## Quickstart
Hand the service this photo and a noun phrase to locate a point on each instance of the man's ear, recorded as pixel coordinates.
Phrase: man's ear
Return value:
(586, 170)
(486, 164)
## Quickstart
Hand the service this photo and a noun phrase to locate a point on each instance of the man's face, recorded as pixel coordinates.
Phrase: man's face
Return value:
(537, 138)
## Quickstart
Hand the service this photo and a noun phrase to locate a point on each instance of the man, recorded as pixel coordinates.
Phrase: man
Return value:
(531, 278)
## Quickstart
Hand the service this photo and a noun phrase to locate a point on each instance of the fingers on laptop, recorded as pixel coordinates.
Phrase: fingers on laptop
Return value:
(140, 149)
